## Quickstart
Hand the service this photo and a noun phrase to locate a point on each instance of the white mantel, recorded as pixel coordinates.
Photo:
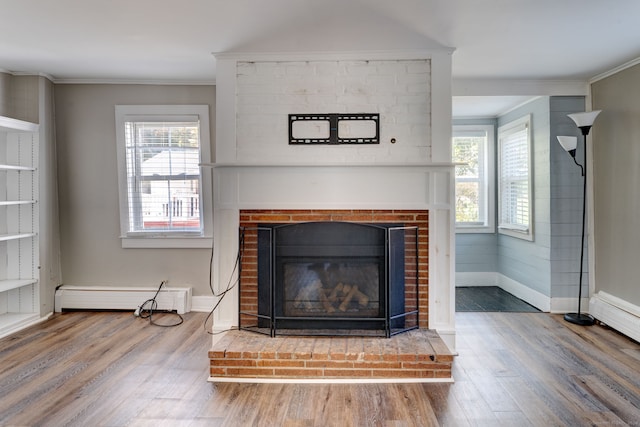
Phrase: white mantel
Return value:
(417, 175)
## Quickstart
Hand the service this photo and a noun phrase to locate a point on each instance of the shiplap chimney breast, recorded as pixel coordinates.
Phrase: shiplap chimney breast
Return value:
(399, 90)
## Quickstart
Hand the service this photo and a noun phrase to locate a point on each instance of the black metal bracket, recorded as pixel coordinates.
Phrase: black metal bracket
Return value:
(334, 120)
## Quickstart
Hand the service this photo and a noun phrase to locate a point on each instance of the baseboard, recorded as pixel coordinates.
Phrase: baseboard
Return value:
(569, 305)
(481, 278)
(20, 322)
(202, 304)
(121, 298)
(525, 293)
(617, 313)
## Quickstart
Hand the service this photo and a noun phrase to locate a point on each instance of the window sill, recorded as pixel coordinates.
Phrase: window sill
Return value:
(518, 234)
(475, 230)
(166, 242)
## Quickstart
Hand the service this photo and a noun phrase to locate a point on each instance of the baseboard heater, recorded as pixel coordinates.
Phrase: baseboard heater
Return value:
(121, 298)
(617, 313)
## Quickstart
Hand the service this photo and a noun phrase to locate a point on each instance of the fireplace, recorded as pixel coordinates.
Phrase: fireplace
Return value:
(329, 278)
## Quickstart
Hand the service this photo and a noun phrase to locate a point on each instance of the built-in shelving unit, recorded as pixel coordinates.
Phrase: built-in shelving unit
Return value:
(19, 222)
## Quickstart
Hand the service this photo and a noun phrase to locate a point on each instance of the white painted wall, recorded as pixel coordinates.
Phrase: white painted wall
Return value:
(92, 254)
(616, 174)
(268, 91)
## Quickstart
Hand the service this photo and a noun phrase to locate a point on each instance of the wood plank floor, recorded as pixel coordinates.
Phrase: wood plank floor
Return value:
(513, 369)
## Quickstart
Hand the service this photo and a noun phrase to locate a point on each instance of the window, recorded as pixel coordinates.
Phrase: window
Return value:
(514, 179)
(164, 193)
(473, 149)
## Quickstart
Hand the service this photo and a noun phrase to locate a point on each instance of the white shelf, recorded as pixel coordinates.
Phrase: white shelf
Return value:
(16, 202)
(13, 322)
(9, 284)
(7, 124)
(19, 255)
(5, 237)
(16, 168)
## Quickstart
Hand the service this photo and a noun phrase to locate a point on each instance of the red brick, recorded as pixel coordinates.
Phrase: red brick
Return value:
(360, 373)
(390, 357)
(284, 355)
(249, 372)
(217, 372)
(442, 374)
(398, 373)
(267, 355)
(298, 373)
(377, 365)
(235, 362)
(290, 363)
(333, 364)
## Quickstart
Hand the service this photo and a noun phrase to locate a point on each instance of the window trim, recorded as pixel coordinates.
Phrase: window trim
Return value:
(489, 190)
(505, 130)
(158, 239)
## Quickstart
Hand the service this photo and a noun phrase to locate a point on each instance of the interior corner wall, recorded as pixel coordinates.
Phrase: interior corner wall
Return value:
(49, 233)
(550, 264)
(566, 201)
(19, 97)
(527, 262)
(616, 175)
(91, 252)
(5, 95)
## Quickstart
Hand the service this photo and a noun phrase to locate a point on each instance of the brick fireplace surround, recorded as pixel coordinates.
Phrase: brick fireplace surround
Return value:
(252, 218)
(418, 355)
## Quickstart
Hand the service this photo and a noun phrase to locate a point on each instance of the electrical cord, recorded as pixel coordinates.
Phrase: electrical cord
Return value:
(230, 285)
(149, 307)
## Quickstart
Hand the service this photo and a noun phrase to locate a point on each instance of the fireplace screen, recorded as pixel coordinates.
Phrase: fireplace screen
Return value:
(329, 278)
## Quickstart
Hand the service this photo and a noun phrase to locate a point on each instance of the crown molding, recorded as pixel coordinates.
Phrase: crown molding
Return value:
(364, 55)
(80, 81)
(615, 70)
(26, 74)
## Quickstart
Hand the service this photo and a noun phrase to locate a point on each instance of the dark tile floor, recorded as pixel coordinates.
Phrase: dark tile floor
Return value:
(489, 299)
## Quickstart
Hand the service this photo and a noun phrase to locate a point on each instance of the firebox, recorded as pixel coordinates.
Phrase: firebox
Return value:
(332, 278)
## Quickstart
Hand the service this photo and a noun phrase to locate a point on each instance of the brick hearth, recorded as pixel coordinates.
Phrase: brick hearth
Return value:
(419, 354)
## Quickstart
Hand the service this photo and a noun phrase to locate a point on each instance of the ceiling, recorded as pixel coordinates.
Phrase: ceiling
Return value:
(167, 41)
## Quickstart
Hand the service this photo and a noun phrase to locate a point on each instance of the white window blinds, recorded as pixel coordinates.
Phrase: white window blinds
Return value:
(515, 177)
(163, 175)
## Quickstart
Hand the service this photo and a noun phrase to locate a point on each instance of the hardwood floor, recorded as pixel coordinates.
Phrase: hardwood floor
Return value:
(513, 369)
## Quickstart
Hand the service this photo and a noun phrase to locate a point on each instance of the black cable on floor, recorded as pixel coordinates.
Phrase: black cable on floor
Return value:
(149, 307)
